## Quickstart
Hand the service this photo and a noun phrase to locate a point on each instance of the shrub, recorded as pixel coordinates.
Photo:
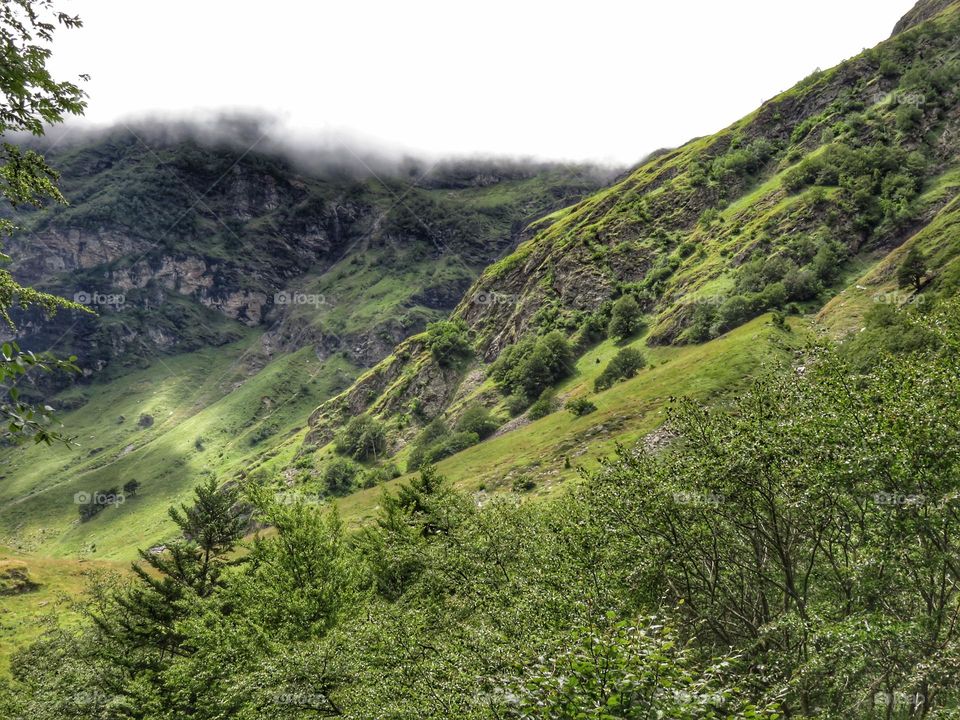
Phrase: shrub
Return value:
(543, 406)
(450, 445)
(625, 319)
(479, 420)
(733, 312)
(448, 341)
(338, 476)
(378, 475)
(624, 365)
(912, 269)
(532, 365)
(516, 403)
(801, 284)
(362, 439)
(523, 483)
(580, 406)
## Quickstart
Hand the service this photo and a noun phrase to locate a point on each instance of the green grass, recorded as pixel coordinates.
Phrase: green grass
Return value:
(26, 616)
(211, 413)
(625, 413)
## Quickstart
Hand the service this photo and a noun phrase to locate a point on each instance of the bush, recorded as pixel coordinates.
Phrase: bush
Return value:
(624, 366)
(379, 475)
(625, 319)
(733, 312)
(533, 365)
(450, 445)
(516, 403)
(362, 439)
(580, 406)
(338, 476)
(479, 420)
(449, 341)
(543, 406)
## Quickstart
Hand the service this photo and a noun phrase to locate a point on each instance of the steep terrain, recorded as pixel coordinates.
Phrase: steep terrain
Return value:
(234, 290)
(807, 206)
(256, 295)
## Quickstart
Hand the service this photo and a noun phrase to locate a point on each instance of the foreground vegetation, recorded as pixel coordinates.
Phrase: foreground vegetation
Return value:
(794, 553)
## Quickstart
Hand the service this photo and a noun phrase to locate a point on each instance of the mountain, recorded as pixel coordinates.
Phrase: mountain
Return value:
(234, 289)
(474, 338)
(807, 206)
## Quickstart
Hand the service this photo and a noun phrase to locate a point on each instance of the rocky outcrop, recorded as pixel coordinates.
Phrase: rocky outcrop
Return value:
(921, 12)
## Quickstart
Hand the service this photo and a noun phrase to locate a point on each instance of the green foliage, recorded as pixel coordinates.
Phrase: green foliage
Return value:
(878, 182)
(580, 406)
(31, 99)
(478, 420)
(912, 270)
(626, 670)
(363, 438)
(22, 419)
(543, 406)
(449, 341)
(625, 318)
(436, 441)
(339, 475)
(625, 364)
(532, 365)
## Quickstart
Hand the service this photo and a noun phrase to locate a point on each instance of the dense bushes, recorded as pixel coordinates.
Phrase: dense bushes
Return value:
(625, 364)
(363, 438)
(533, 364)
(580, 406)
(478, 419)
(796, 549)
(878, 182)
(338, 476)
(796, 272)
(625, 318)
(436, 441)
(448, 341)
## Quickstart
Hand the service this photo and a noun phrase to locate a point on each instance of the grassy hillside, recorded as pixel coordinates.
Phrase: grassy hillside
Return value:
(794, 209)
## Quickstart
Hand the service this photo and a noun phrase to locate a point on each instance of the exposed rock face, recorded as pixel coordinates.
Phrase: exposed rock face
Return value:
(921, 12)
(178, 245)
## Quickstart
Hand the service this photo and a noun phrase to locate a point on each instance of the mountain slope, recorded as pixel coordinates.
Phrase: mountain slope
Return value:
(251, 288)
(784, 210)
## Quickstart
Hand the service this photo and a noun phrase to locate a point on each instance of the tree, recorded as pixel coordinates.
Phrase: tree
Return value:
(478, 419)
(339, 476)
(29, 98)
(625, 364)
(146, 615)
(625, 319)
(363, 438)
(449, 341)
(912, 270)
(533, 364)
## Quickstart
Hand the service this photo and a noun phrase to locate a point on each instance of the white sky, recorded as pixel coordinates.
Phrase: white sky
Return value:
(599, 80)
